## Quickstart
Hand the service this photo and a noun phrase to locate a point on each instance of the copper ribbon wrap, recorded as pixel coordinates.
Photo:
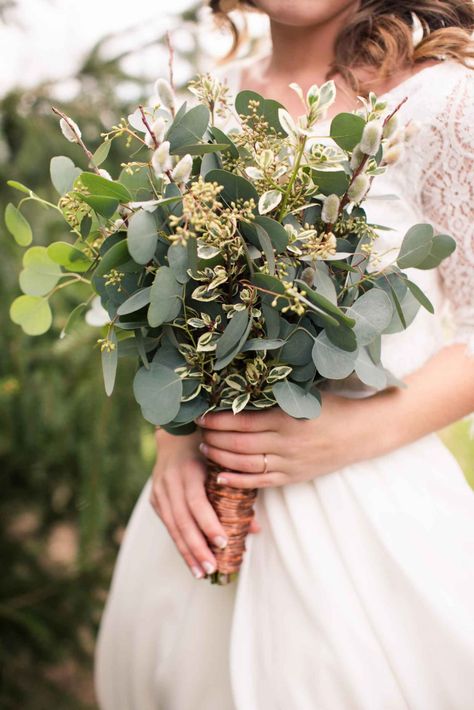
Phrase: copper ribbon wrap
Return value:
(234, 508)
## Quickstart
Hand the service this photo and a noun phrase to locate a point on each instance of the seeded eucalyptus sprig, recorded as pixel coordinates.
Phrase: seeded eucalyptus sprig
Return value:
(237, 267)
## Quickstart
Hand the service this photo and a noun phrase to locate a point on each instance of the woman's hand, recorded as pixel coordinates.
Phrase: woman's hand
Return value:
(296, 449)
(179, 498)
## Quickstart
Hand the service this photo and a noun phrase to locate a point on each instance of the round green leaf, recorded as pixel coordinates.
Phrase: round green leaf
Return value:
(332, 362)
(18, 225)
(235, 186)
(142, 236)
(295, 401)
(416, 246)
(33, 314)
(40, 274)
(346, 130)
(63, 172)
(372, 312)
(188, 128)
(69, 256)
(331, 182)
(158, 391)
(135, 302)
(368, 372)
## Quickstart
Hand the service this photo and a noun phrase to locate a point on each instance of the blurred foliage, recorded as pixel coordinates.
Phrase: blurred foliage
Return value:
(72, 461)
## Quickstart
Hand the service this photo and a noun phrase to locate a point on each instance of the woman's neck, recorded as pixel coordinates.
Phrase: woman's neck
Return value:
(306, 51)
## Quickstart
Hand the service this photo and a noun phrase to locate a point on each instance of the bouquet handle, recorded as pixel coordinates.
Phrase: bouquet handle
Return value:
(234, 508)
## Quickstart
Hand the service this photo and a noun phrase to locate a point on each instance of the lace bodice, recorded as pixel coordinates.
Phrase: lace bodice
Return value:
(434, 182)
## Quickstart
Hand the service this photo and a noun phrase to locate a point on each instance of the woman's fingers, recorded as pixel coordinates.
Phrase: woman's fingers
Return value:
(203, 512)
(188, 528)
(254, 526)
(240, 442)
(244, 421)
(247, 463)
(161, 505)
(245, 480)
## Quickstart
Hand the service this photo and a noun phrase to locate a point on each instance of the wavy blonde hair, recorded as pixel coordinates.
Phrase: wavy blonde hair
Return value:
(379, 35)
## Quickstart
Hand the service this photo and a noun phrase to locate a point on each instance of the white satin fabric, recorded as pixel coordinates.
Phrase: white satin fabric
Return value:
(358, 593)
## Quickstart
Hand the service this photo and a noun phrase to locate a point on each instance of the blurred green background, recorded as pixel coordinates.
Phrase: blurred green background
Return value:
(72, 461)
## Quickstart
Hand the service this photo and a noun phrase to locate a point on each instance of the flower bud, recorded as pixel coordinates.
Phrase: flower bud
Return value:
(165, 93)
(330, 211)
(371, 137)
(182, 170)
(359, 188)
(393, 154)
(356, 157)
(390, 127)
(308, 275)
(105, 174)
(161, 160)
(159, 129)
(70, 130)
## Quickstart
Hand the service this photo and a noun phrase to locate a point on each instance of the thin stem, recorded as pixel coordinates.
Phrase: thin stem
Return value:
(292, 179)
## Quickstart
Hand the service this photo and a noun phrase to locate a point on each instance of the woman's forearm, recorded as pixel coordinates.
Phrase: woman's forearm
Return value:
(438, 394)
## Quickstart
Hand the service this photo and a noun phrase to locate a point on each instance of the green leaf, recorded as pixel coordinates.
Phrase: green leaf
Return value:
(165, 303)
(368, 372)
(342, 336)
(346, 130)
(109, 359)
(262, 344)
(102, 187)
(420, 296)
(138, 300)
(105, 206)
(276, 231)
(409, 307)
(295, 401)
(442, 246)
(179, 262)
(33, 314)
(232, 333)
(332, 362)
(201, 148)
(222, 362)
(188, 129)
(297, 349)
(269, 200)
(101, 153)
(18, 225)
(268, 109)
(416, 246)
(158, 391)
(372, 312)
(68, 256)
(73, 319)
(221, 138)
(142, 236)
(331, 182)
(267, 248)
(19, 186)
(117, 255)
(63, 173)
(235, 186)
(40, 273)
(325, 305)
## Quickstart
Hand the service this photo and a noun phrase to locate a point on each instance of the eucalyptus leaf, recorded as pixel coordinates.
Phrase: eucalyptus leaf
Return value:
(18, 225)
(331, 182)
(179, 261)
(346, 130)
(135, 302)
(442, 246)
(102, 187)
(372, 313)
(109, 359)
(40, 274)
(63, 173)
(158, 391)
(101, 153)
(32, 313)
(69, 257)
(295, 401)
(332, 362)
(142, 236)
(235, 186)
(368, 372)
(188, 128)
(416, 246)
(165, 303)
(232, 333)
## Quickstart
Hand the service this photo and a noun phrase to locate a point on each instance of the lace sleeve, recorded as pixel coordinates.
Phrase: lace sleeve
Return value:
(447, 199)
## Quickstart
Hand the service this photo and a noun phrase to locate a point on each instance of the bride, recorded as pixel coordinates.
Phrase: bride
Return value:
(357, 587)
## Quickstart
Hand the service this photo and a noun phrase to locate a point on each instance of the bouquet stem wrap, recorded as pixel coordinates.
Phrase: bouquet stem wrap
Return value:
(234, 508)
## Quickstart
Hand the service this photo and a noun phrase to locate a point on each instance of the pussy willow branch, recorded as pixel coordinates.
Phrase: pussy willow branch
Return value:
(79, 139)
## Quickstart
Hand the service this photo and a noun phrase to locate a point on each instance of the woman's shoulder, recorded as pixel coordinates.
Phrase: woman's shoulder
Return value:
(438, 91)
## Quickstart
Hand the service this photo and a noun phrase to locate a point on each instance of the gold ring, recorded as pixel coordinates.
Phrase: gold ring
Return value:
(265, 463)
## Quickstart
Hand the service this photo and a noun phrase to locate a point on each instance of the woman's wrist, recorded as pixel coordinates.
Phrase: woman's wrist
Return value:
(164, 439)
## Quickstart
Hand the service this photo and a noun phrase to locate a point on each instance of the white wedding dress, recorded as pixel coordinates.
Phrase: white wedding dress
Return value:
(358, 593)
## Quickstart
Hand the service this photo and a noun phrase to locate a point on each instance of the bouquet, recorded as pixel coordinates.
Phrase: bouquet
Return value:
(239, 269)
